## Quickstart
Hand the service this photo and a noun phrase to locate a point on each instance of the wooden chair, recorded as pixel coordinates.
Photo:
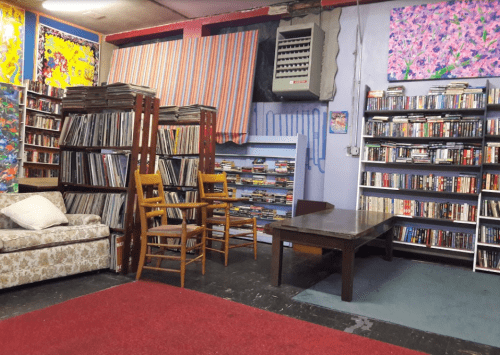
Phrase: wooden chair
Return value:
(157, 208)
(221, 200)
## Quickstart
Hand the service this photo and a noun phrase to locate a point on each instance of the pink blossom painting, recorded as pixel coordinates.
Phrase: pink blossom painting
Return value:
(452, 39)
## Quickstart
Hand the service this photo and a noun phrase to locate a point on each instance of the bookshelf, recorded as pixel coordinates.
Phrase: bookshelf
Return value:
(101, 147)
(41, 129)
(22, 117)
(186, 145)
(422, 160)
(266, 188)
(487, 248)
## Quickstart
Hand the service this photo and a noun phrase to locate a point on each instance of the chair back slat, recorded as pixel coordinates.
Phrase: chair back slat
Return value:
(150, 180)
(206, 184)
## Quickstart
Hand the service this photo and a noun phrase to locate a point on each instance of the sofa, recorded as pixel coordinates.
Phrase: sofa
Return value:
(28, 256)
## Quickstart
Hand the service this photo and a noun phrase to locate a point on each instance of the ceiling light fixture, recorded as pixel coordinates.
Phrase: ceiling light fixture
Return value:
(75, 5)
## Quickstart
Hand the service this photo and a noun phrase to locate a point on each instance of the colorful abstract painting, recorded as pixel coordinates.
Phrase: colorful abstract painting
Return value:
(66, 60)
(445, 40)
(9, 137)
(12, 44)
(338, 122)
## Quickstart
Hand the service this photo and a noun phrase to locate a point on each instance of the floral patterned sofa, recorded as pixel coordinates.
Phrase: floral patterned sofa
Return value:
(33, 255)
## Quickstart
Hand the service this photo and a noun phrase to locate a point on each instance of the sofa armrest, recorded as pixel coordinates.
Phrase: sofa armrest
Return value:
(83, 219)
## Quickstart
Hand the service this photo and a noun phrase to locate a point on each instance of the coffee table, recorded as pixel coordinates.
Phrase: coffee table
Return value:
(344, 230)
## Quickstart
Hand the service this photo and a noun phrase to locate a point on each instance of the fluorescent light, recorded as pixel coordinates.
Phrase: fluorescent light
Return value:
(75, 5)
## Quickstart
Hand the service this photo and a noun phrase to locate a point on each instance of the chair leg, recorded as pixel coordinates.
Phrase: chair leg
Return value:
(226, 244)
(142, 258)
(203, 250)
(255, 239)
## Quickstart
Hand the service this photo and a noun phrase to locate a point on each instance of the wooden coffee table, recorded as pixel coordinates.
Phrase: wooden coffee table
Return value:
(344, 230)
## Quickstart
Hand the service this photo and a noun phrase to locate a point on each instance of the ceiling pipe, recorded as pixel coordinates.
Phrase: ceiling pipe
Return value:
(201, 26)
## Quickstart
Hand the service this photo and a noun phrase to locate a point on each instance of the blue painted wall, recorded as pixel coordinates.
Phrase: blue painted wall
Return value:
(341, 171)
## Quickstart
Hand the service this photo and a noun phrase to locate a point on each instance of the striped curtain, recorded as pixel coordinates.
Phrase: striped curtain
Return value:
(215, 71)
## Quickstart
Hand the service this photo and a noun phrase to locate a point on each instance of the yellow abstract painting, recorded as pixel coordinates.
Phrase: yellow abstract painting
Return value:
(67, 60)
(12, 44)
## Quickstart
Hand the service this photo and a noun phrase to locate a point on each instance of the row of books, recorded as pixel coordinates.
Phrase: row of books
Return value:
(464, 183)
(451, 153)
(40, 173)
(179, 172)
(434, 237)
(281, 166)
(256, 180)
(490, 181)
(44, 89)
(494, 96)
(96, 169)
(490, 208)
(178, 140)
(416, 208)
(490, 235)
(258, 212)
(44, 105)
(34, 156)
(48, 140)
(426, 102)
(42, 121)
(493, 126)
(268, 197)
(488, 259)
(447, 127)
(112, 95)
(110, 207)
(492, 153)
(112, 129)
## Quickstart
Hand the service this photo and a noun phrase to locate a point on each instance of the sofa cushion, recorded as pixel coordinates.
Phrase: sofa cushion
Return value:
(35, 212)
(8, 199)
(20, 239)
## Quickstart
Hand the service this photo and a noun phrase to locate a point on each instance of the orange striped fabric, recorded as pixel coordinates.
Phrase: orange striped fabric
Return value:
(215, 71)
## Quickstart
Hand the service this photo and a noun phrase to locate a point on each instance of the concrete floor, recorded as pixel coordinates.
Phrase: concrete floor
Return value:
(248, 281)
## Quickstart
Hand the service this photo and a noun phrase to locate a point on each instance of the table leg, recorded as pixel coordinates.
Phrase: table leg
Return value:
(277, 259)
(347, 272)
(388, 245)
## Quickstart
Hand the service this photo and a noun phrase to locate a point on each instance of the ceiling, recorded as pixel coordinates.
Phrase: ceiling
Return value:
(127, 15)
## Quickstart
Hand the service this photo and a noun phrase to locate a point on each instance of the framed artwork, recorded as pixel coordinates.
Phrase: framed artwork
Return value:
(12, 44)
(65, 60)
(445, 40)
(9, 137)
(338, 122)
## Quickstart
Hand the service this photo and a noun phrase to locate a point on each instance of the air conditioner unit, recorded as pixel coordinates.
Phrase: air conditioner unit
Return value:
(298, 60)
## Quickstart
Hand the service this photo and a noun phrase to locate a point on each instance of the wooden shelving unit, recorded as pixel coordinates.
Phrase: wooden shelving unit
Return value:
(145, 126)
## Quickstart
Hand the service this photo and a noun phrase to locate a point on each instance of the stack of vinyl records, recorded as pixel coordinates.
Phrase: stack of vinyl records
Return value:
(96, 97)
(168, 113)
(75, 97)
(192, 112)
(120, 94)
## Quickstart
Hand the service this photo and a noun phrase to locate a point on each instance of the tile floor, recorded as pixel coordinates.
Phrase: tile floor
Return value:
(248, 281)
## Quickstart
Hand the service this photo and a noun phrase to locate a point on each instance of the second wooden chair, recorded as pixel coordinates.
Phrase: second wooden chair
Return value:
(221, 200)
(162, 234)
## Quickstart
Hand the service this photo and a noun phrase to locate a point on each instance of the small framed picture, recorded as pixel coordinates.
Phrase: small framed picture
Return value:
(338, 122)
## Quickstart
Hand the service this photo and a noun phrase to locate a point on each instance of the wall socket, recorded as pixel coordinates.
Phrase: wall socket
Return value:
(354, 151)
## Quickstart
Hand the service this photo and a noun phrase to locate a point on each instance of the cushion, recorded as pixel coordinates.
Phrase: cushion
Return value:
(35, 212)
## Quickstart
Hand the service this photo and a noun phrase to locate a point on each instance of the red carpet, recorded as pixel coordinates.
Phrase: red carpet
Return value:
(151, 318)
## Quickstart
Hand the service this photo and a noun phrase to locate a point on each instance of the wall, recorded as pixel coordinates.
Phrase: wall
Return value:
(341, 171)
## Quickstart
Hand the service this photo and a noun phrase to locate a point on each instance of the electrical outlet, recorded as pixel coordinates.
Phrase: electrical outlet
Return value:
(354, 151)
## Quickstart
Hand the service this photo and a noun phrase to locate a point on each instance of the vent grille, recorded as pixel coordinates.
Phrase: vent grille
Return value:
(299, 49)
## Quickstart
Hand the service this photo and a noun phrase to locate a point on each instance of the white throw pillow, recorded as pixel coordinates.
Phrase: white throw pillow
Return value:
(35, 212)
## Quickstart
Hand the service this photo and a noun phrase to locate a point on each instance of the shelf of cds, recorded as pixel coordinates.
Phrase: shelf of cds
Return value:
(267, 170)
(41, 130)
(185, 145)
(101, 147)
(423, 158)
